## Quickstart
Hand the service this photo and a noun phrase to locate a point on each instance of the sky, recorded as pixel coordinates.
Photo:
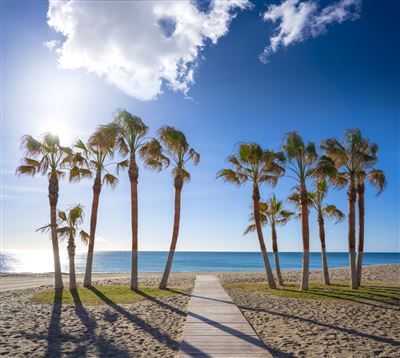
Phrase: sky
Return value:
(223, 73)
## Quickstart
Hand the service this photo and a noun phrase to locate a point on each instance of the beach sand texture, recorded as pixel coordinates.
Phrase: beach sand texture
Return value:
(289, 327)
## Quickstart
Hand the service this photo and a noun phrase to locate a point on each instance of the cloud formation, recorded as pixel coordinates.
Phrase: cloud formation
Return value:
(138, 45)
(299, 20)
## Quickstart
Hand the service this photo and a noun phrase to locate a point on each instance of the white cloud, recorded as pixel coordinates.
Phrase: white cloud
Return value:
(138, 45)
(51, 44)
(100, 239)
(299, 20)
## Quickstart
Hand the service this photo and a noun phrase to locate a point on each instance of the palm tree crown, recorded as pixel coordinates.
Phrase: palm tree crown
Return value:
(253, 164)
(172, 149)
(92, 159)
(352, 157)
(272, 213)
(317, 200)
(45, 156)
(69, 223)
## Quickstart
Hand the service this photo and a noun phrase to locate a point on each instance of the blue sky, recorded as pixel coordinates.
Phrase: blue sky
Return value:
(332, 77)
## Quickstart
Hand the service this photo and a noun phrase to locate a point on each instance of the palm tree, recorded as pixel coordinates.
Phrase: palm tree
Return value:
(272, 213)
(127, 133)
(317, 201)
(47, 157)
(175, 150)
(351, 157)
(257, 166)
(92, 161)
(302, 162)
(68, 226)
(377, 178)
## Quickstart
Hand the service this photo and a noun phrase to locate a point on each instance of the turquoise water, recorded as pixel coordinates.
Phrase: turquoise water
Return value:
(154, 261)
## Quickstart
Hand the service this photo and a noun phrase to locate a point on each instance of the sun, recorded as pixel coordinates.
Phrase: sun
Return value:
(58, 127)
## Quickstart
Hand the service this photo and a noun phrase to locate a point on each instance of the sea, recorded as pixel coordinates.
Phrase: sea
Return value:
(153, 261)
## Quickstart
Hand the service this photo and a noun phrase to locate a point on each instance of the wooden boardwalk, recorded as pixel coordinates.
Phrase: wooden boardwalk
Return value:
(215, 327)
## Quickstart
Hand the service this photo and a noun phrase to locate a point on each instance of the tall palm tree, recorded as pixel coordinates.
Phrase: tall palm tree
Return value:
(127, 134)
(257, 166)
(351, 157)
(377, 178)
(47, 157)
(68, 226)
(317, 201)
(302, 163)
(272, 213)
(172, 148)
(91, 160)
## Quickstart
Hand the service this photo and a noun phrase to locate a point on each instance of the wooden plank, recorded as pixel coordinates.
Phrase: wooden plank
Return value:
(215, 327)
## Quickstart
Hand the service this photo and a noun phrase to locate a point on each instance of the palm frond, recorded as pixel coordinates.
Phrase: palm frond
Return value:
(84, 236)
(331, 211)
(173, 139)
(230, 176)
(122, 165)
(377, 177)
(25, 170)
(152, 155)
(62, 215)
(195, 156)
(74, 174)
(250, 228)
(45, 228)
(110, 180)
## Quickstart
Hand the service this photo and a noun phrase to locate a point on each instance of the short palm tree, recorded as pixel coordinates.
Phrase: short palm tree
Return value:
(317, 201)
(302, 163)
(127, 134)
(272, 213)
(377, 178)
(68, 226)
(92, 160)
(351, 157)
(257, 166)
(47, 157)
(172, 148)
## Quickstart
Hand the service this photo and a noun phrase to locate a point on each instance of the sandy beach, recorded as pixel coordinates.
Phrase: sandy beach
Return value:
(153, 327)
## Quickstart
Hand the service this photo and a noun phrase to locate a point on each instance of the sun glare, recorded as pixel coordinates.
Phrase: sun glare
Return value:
(60, 128)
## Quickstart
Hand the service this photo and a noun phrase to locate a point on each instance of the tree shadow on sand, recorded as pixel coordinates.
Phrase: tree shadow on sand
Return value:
(104, 348)
(54, 335)
(354, 332)
(212, 323)
(160, 336)
(364, 298)
(55, 338)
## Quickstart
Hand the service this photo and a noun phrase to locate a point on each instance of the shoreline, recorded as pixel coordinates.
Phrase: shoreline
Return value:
(16, 281)
(6, 274)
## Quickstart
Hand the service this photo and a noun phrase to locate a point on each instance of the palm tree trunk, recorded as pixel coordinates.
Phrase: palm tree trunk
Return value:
(133, 177)
(325, 271)
(53, 199)
(71, 256)
(256, 207)
(305, 231)
(360, 190)
(276, 255)
(87, 282)
(351, 195)
(175, 233)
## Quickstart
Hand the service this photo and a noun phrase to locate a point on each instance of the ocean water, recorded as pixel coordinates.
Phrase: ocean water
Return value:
(154, 261)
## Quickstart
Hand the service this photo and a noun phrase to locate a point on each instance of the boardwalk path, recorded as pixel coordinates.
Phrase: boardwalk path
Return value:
(215, 327)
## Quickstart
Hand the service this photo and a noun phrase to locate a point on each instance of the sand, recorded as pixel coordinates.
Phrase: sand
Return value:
(290, 327)
(310, 328)
(142, 329)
